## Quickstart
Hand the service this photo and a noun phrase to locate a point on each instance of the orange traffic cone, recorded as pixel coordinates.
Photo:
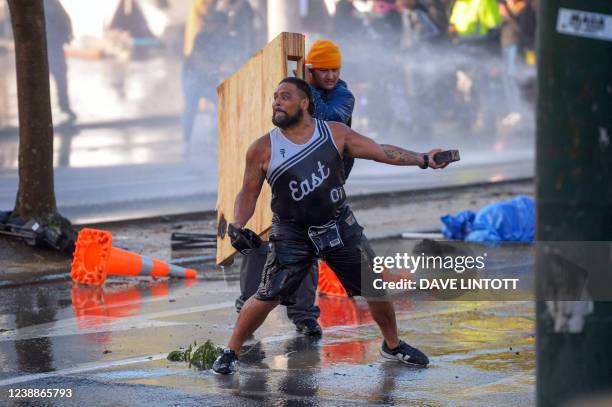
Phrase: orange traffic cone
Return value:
(328, 282)
(95, 257)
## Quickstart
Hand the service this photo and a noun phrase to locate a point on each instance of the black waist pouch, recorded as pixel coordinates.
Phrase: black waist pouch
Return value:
(326, 238)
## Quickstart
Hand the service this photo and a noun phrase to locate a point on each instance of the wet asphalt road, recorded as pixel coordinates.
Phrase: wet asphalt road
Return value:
(108, 345)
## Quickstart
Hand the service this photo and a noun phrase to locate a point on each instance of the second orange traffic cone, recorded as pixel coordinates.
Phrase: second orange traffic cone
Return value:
(95, 258)
(328, 281)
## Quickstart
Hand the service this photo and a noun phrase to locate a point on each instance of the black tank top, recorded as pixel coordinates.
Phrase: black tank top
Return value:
(307, 184)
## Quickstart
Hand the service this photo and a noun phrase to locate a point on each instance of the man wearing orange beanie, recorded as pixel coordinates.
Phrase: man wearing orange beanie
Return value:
(332, 99)
(332, 102)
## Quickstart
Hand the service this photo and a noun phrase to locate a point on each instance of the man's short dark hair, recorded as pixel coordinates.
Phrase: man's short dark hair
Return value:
(304, 87)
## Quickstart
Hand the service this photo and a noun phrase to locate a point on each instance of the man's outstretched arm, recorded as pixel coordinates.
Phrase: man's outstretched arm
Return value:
(254, 176)
(359, 146)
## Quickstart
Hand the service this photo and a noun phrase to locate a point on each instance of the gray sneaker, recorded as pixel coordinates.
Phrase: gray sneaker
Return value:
(405, 354)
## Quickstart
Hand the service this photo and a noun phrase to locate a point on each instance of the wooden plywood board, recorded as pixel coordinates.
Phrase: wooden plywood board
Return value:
(245, 114)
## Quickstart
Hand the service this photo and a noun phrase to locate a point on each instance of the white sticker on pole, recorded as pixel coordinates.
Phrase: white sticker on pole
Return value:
(584, 24)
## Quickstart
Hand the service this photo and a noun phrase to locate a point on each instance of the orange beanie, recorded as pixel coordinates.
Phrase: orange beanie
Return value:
(324, 54)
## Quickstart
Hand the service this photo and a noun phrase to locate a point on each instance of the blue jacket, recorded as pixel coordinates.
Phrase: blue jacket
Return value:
(333, 105)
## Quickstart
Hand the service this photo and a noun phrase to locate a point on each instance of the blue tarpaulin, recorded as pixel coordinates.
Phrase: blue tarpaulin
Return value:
(512, 220)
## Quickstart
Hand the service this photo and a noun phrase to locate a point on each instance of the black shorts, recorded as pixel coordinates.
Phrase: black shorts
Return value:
(292, 253)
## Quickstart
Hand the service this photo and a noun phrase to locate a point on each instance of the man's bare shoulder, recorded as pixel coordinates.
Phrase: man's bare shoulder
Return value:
(339, 132)
(262, 145)
(259, 152)
(338, 128)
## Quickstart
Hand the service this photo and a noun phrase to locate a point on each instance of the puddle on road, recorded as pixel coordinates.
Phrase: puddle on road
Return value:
(137, 374)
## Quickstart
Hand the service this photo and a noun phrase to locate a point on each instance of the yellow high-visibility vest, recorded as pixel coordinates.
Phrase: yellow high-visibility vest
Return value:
(475, 17)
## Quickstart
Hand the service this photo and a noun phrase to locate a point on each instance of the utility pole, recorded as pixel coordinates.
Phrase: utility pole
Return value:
(574, 199)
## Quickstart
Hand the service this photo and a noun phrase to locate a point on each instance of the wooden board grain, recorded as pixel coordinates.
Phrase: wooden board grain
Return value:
(244, 115)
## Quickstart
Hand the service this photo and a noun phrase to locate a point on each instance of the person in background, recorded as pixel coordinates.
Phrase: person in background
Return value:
(345, 21)
(332, 99)
(59, 33)
(198, 10)
(474, 18)
(388, 26)
(438, 11)
(417, 26)
(201, 69)
(510, 40)
(241, 27)
(314, 17)
(528, 24)
(418, 33)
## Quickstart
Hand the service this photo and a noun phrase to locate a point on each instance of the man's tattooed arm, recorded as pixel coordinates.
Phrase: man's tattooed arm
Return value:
(359, 146)
(398, 156)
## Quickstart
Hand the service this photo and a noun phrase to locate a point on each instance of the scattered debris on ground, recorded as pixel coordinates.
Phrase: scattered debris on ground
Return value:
(202, 357)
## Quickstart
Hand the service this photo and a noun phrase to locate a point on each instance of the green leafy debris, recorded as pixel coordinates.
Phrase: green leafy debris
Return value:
(201, 357)
(176, 356)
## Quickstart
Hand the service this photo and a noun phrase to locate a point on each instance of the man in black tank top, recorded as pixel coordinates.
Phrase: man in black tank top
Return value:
(311, 219)
(333, 101)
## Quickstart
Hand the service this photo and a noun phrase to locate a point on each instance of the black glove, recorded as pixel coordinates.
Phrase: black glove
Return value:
(244, 240)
